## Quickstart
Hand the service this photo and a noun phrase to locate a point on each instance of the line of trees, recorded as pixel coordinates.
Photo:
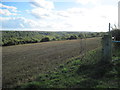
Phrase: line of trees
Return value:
(24, 37)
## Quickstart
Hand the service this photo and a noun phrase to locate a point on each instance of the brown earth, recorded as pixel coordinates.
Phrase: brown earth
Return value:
(22, 63)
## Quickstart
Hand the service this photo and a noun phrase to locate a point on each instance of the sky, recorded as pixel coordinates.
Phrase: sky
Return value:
(58, 15)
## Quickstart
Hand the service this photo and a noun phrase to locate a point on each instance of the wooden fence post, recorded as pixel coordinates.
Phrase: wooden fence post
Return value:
(107, 48)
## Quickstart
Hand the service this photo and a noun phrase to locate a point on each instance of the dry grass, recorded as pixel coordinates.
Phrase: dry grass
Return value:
(22, 63)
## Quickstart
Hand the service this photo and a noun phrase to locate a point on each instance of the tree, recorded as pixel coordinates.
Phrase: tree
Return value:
(46, 39)
(81, 36)
(72, 37)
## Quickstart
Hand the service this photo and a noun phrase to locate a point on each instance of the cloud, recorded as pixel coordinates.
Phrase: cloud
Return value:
(71, 19)
(89, 19)
(84, 2)
(42, 9)
(94, 19)
(21, 23)
(8, 10)
(17, 23)
(14, 9)
(40, 12)
(43, 4)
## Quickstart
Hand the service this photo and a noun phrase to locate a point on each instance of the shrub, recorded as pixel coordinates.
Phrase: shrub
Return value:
(46, 39)
(72, 37)
(116, 35)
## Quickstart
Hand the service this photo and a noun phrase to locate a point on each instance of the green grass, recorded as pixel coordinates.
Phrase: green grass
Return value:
(78, 72)
(116, 54)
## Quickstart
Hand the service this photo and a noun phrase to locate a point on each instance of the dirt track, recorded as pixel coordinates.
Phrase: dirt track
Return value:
(22, 62)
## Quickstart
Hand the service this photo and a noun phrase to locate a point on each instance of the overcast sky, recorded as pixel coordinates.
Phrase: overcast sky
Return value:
(58, 15)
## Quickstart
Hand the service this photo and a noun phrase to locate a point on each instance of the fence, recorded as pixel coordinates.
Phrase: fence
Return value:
(107, 44)
(108, 48)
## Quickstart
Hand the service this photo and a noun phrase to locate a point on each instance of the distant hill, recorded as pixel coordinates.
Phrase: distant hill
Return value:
(24, 37)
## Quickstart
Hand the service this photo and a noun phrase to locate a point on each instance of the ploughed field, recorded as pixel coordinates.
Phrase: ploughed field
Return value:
(22, 63)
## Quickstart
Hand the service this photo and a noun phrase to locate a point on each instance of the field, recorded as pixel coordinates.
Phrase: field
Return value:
(22, 63)
(77, 72)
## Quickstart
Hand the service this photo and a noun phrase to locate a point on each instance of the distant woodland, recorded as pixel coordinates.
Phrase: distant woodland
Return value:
(23, 37)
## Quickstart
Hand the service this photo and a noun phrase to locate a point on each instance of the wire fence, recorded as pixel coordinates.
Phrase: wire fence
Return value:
(102, 67)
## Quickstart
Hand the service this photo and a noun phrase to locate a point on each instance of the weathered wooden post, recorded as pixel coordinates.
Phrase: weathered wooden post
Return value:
(107, 56)
(107, 47)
